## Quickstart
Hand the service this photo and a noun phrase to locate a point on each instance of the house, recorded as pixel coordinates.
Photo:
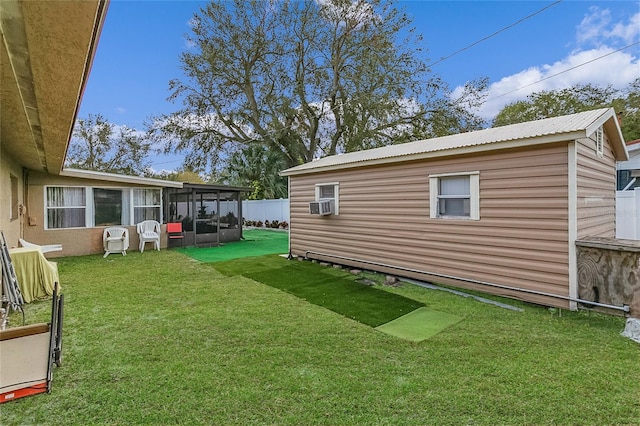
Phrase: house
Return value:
(73, 207)
(497, 210)
(629, 171)
(628, 194)
(47, 53)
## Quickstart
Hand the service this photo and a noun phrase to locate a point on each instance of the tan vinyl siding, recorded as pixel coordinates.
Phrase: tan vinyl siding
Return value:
(596, 184)
(520, 239)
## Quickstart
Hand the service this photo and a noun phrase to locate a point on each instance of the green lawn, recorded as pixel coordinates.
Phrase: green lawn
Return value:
(159, 338)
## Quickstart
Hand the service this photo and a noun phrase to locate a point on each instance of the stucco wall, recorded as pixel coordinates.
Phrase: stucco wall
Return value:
(75, 241)
(9, 226)
(609, 273)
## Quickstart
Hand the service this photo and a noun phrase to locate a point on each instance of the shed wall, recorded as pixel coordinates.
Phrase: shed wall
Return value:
(596, 189)
(521, 239)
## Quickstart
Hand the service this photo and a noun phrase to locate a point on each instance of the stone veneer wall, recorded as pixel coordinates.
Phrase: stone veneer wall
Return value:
(609, 273)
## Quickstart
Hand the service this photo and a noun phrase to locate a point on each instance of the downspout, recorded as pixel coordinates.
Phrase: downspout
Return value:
(624, 308)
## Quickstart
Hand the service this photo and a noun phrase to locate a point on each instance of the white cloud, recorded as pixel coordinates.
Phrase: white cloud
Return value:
(600, 64)
(597, 29)
(121, 110)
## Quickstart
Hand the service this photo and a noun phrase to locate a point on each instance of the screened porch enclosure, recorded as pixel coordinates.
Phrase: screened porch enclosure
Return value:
(209, 214)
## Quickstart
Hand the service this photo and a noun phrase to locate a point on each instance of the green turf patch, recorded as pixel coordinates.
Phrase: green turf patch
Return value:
(419, 325)
(257, 242)
(330, 288)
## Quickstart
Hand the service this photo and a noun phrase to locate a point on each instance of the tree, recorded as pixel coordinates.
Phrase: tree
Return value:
(575, 99)
(306, 78)
(100, 145)
(629, 107)
(258, 167)
(183, 174)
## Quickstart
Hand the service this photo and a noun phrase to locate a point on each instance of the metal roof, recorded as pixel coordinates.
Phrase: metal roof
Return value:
(556, 129)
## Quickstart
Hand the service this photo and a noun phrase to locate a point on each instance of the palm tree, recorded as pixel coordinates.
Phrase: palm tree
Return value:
(257, 166)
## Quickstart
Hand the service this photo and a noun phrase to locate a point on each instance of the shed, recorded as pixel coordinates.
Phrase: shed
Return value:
(497, 210)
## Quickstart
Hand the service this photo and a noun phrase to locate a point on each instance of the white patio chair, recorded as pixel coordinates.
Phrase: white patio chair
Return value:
(149, 232)
(43, 249)
(115, 240)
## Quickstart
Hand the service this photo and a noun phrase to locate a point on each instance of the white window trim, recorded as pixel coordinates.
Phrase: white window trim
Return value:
(46, 206)
(336, 195)
(474, 200)
(89, 204)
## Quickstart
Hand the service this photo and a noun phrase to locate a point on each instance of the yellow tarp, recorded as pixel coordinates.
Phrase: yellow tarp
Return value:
(36, 275)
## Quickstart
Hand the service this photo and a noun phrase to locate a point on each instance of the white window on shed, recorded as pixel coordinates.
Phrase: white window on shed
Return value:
(329, 191)
(455, 195)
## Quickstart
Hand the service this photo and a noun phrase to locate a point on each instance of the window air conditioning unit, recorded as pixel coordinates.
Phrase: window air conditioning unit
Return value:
(321, 207)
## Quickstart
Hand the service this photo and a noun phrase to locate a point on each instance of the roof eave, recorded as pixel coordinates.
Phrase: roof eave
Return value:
(112, 177)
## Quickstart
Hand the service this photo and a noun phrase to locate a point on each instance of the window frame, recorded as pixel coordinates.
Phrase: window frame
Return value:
(89, 207)
(336, 195)
(87, 201)
(474, 195)
(135, 206)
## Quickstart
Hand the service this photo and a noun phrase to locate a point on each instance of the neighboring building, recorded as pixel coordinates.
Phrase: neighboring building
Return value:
(629, 171)
(497, 210)
(47, 51)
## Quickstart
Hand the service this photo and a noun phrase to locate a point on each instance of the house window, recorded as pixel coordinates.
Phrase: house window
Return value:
(111, 207)
(599, 142)
(15, 202)
(455, 195)
(328, 191)
(73, 207)
(146, 204)
(66, 207)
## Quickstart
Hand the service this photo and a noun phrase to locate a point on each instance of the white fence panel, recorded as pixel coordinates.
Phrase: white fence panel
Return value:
(264, 210)
(628, 214)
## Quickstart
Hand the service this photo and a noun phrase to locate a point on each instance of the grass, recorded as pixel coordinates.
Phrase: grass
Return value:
(157, 338)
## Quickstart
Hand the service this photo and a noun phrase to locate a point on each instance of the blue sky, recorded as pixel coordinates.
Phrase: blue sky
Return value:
(141, 41)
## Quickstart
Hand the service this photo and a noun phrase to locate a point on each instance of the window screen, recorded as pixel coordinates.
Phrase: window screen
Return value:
(454, 198)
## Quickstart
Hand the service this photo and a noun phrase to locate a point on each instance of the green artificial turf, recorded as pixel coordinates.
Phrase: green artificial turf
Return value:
(256, 242)
(419, 325)
(333, 289)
